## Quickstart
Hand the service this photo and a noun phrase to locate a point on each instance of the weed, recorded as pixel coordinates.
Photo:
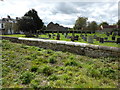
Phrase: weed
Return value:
(47, 70)
(34, 68)
(26, 77)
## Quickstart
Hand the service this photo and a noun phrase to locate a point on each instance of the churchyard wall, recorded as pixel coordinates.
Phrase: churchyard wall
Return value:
(68, 46)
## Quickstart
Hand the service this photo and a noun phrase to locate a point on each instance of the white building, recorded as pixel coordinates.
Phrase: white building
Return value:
(8, 26)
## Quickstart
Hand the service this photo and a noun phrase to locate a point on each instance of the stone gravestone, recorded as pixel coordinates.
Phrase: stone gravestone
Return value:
(90, 39)
(49, 35)
(111, 33)
(115, 33)
(82, 36)
(95, 36)
(118, 41)
(101, 40)
(53, 36)
(113, 37)
(85, 38)
(118, 33)
(106, 38)
(65, 34)
(76, 37)
(58, 37)
(72, 38)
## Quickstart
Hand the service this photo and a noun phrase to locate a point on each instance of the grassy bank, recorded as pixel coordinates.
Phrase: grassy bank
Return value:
(32, 67)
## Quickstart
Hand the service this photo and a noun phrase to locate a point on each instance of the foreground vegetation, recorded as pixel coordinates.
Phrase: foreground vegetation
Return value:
(80, 39)
(33, 67)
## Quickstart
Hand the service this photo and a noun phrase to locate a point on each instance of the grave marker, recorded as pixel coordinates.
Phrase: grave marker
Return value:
(101, 40)
(90, 39)
(118, 41)
(113, 38)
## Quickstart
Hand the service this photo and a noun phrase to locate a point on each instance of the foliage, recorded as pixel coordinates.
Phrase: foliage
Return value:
(26, 77)
(104, 24)
(30, 23)
(27, 25)
(92, 26)
(80, 23)
(39, 73)
(38, 22)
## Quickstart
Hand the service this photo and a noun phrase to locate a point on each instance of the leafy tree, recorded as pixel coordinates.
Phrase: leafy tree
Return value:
(80, 23)
(30, 24)
(38, 22)
(27, 25)
(92, 26)
(104, 24)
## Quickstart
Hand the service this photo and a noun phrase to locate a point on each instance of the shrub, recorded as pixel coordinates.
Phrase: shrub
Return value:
(52, 77)
(26, 77)
(24, 46)
(47, 70)
(52, 60)
(71, 63)
(34, 68)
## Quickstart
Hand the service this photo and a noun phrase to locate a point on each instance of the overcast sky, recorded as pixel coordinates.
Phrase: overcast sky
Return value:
(61, 11)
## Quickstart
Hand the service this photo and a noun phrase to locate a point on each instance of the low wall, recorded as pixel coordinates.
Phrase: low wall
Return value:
(73, 47)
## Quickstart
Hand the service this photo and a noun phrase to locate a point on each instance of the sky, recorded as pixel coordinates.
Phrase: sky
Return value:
(63, 12)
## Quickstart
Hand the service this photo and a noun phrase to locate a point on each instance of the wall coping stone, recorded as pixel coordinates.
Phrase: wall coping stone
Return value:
(106, 48)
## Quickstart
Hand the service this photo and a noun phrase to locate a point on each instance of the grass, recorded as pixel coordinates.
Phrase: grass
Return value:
(33, 67)
(80, 39)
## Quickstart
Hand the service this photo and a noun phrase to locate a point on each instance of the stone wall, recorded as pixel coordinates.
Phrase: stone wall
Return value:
(68, 46)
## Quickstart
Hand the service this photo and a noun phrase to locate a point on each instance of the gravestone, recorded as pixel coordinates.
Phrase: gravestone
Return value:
(68, 37)
(58, 37)
(118, 41)
(49, 35)
(111, 33)
(72, 38)
(97, 38)
(115, 33)
(113, 38)
(90, 39)
(118, 33)
(85, 38)
(101, 40)
(106, 38)
(76, 37)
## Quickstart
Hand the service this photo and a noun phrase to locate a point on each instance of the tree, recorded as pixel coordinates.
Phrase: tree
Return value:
(104, 24)
(30, 23)
(38, 22)
(27, 25)
(80, 23)
(92, 26)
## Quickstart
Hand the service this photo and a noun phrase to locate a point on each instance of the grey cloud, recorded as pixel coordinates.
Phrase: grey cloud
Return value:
(65, 8)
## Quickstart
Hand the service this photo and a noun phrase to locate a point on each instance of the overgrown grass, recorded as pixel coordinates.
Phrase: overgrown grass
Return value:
(62, 37)
(33, 67)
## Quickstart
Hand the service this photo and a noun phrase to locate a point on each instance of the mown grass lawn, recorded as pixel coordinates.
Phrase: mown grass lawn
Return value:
(80, 39)
(33, 67)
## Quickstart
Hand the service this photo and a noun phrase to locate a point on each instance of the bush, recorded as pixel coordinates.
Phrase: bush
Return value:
(52, 77)
(71, 63)
(47, 70)
(26, 77)
(34, 68)
(52, 60)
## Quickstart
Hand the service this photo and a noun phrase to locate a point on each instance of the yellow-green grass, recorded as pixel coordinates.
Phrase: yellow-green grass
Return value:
(33, 67)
